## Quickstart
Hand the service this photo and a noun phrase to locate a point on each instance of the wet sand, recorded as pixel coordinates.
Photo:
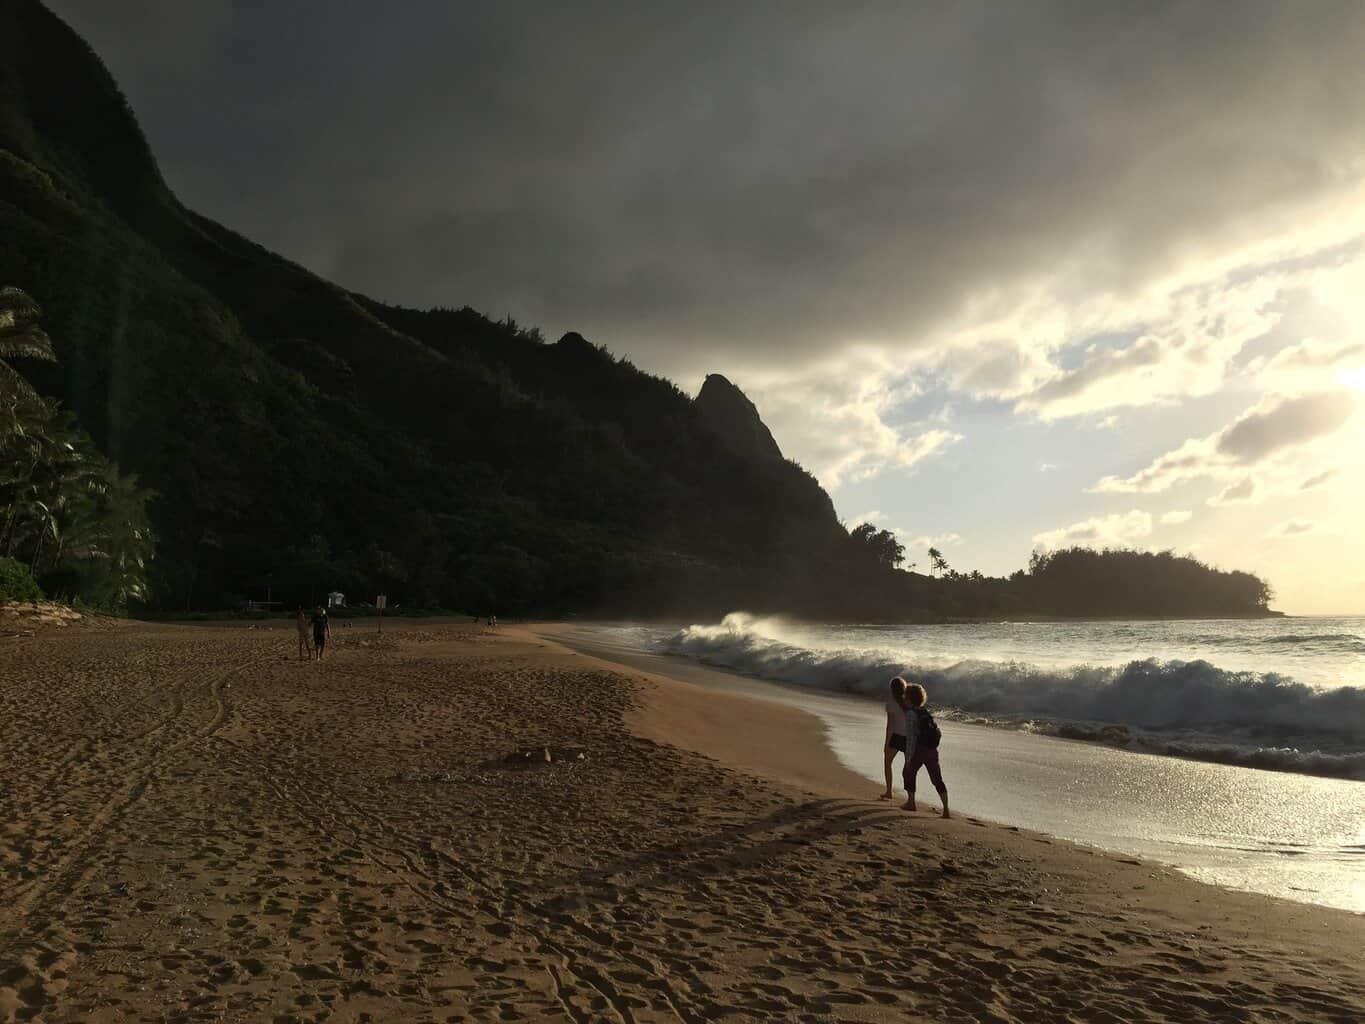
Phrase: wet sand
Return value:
(198, 827)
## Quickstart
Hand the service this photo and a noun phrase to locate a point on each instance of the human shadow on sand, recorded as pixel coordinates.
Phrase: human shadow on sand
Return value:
(789, 829)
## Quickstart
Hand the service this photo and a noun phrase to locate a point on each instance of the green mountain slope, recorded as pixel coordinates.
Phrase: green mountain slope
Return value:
(303, 438)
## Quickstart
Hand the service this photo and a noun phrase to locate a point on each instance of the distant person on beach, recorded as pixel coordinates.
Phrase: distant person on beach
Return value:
(921, 745)
(895, 730)
(321, 630)
(305, 650)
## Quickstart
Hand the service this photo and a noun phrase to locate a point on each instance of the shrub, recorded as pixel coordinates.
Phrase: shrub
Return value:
(15, 582)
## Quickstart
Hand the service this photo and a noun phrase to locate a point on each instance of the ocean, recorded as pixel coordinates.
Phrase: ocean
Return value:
(1231, 749)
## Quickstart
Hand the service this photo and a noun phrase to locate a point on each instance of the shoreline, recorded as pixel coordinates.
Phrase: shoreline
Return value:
(1084, 684)
(1157, 832)
(454, 823)
(445, 616)
(790, 751)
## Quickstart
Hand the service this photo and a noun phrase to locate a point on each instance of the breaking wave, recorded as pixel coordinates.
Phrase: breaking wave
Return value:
(1184, 708)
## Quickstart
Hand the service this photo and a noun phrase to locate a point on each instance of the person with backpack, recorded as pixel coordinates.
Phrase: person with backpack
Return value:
(921, 745)
(321, 630)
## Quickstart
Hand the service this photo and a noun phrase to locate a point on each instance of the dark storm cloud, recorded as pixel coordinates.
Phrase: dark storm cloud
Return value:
(731, 185)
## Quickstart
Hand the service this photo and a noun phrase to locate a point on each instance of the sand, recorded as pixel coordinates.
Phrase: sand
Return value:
(198, 827)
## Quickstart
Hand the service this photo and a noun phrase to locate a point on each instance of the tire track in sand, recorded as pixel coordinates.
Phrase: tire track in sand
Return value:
(72, 866)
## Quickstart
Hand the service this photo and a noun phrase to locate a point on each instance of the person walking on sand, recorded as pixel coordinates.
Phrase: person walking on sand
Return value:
(305, 649)
(321, 630)
(895, 730)
(921, 745)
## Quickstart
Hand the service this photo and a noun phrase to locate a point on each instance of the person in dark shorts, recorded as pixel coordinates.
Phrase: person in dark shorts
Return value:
(921, 746)
(321, 630)
(895, 730)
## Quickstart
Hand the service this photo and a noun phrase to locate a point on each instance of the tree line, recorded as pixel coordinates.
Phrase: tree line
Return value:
(1122, 581)
(1073, 582)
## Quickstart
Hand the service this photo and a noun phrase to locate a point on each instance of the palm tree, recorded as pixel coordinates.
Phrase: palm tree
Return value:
(37, 442)
(63, 505)
(125, 541)
(62, 484)
(20, 338)
(939, 563)
(24, 441)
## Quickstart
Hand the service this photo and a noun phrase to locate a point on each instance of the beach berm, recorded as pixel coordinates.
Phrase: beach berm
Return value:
(450, 823)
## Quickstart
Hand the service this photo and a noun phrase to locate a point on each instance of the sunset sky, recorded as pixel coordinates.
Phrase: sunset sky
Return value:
(1000, 275)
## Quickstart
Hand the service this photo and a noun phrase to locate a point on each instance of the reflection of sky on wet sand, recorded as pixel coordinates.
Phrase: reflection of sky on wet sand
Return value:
(1278, 833)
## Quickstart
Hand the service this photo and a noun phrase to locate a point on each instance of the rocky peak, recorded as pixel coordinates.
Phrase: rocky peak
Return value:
(729, 414)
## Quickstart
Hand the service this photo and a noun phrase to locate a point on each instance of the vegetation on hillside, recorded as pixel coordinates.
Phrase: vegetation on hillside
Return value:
(301, 438)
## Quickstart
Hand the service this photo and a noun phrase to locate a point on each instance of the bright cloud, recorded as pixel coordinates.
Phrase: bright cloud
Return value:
(1176, 516)
(1291, 528)
(1317, 480)
(1117, 530)
(926, 541)
(1274, 426)
(834, 421)
(995, 368)
(1178, 336)
(1184, 344)
(864, 517)
(1310, 363)
(1243, 492)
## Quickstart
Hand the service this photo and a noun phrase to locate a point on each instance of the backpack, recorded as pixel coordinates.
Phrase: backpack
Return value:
(927, 731)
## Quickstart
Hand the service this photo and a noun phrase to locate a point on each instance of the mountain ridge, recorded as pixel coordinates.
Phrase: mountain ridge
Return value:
(303, 437)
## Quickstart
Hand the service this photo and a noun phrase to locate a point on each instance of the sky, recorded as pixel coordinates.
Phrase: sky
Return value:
(1002, 276)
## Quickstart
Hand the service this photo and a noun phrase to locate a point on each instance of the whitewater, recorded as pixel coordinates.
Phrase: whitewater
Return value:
(1268, 693)
(1177, 723)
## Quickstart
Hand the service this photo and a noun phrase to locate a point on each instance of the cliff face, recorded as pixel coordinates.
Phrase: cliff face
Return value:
(727, 412)
(307, 438)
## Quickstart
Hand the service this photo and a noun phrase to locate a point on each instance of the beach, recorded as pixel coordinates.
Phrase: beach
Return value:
(451, 823)
(1276, 832)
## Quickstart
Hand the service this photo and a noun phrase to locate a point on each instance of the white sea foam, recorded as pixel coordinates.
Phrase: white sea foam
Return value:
(1188, 708)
